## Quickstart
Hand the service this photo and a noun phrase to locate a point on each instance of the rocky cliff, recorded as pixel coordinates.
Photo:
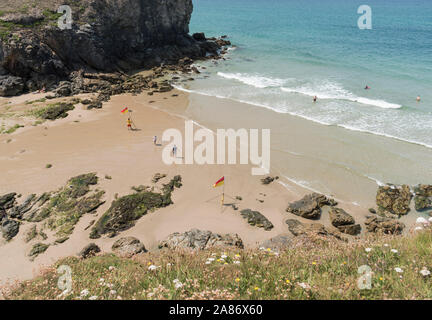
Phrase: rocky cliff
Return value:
(105, 36)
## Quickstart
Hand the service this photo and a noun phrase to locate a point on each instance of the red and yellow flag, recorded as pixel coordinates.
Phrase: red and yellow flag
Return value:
(219, 183)
(125, 110)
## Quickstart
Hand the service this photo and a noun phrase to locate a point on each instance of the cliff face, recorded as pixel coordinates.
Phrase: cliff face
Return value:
(106, 35)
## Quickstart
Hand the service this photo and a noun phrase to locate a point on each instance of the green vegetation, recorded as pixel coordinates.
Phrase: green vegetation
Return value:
(319, 270)
(11, 129)
(38, 249)
(63, 209)
(53, 111)
(126, 210)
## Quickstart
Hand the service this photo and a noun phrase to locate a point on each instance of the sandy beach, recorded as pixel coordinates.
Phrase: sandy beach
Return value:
(98, 141)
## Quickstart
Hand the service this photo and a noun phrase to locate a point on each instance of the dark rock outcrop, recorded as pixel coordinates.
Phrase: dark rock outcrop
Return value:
(344, 222)
(126, 210)
(268, 179)
(9, 229)
(309, 206)
(89, 250)
(105, 36)
(198, 239)
(393, 200)
(256, 219)
(423, 197)
(127, 247)
(383, 225)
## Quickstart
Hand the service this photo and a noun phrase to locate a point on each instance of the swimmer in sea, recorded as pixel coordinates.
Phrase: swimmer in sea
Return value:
(418, 99)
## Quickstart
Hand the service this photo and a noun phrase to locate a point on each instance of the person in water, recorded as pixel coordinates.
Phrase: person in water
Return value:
(367, 87)
(418, 99)
(315, 98)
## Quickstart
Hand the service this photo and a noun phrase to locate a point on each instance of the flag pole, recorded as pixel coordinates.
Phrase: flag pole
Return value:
(223, 193)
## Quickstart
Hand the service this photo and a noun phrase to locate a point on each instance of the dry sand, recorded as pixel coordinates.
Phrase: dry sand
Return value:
(98, 141)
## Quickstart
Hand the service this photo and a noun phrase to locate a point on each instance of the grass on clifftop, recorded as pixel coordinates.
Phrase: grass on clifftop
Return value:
(313, 270)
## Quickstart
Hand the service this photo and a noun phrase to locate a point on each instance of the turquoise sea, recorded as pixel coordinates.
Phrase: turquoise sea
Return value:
(287, 51)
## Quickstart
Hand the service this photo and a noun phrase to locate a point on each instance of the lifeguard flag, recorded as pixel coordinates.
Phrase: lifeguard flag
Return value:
(219, 182)
(125, 110)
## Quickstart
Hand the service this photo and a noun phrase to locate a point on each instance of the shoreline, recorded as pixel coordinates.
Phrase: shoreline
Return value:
(131, 159)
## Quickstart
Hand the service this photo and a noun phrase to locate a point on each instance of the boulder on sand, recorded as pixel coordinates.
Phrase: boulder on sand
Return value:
(383, 225)
(393, 200)
(344, 221)
(256, 219)
(309, 206)
(423, 197)
(89, 250)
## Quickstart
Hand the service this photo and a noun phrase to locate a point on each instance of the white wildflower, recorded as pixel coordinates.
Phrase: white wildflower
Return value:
(237, 262)
(368, 249)
(93, 298)
(152, 267)
(84, 293)
(394, 250)
(421, 220)
(304, 285)
(177, 283)
(425, 272)
(211, 259)
(111, 268)
(418, 228)
(398, 270)
(224, 256)
(113, 292)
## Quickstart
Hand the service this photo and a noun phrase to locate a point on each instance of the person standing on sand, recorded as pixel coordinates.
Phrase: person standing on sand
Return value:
(129, 124)
(155, 140)
(174, 151)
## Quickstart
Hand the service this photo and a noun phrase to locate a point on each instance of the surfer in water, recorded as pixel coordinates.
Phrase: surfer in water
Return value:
(367, 87)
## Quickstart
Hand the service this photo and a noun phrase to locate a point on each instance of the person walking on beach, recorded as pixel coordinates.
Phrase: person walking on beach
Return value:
(155, 140)
(174, 151)
(129, 124)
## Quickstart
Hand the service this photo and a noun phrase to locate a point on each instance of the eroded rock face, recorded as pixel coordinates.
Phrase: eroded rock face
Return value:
(384, 225)
(106, 36)
(11, 86)
(423, 197)
(256, 219)
(309, 206)
(394, 200)
(199, 239)
(127, 247)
